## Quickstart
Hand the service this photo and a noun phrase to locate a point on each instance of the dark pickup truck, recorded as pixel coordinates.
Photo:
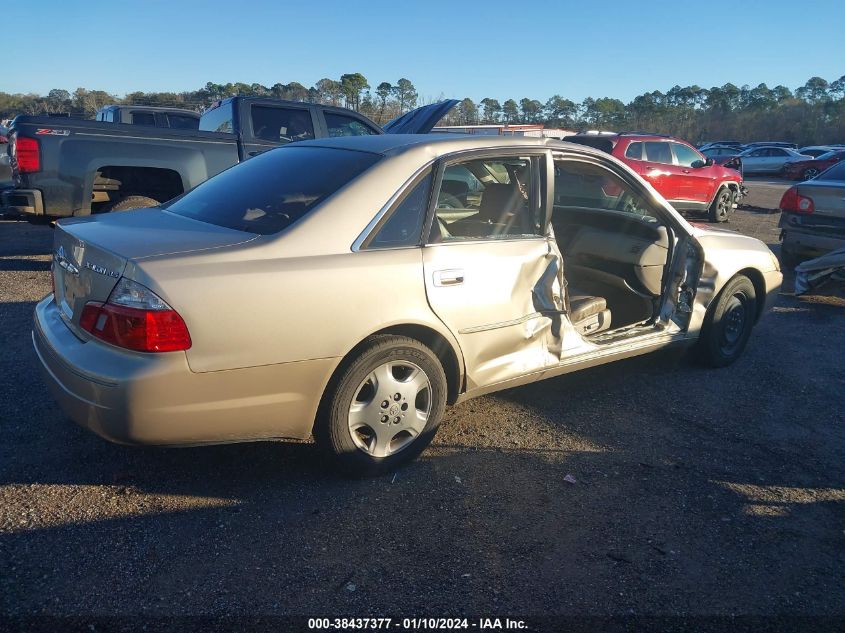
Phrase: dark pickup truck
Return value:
(75, 167)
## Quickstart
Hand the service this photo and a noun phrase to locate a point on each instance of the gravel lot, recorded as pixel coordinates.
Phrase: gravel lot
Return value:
(697, 493)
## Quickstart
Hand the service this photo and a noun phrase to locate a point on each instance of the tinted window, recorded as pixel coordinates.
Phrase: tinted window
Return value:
(218, 119)
(635, 151)
(143, 118)
(658, 152)
(273, 190)
(837, 172)
(404, 224)
(776, 151)
(685, 156)
(281, 125)
(340, 125)
(503, 208)
(182, 122)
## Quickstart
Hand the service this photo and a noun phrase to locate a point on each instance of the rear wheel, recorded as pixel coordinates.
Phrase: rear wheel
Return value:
(721, 206)
(384, 406)
(728, 323)
(810, 172)
(133, 202)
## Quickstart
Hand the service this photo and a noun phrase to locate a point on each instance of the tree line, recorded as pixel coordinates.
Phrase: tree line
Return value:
(812, 113)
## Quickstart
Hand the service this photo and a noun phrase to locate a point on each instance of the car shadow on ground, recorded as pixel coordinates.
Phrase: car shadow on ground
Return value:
(646, 486)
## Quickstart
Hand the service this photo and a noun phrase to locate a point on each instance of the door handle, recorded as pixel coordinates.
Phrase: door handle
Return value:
(452, 277)
(686, 171)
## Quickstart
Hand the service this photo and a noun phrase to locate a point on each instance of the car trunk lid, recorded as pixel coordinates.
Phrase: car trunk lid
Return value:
(828, 197)
(91, 254)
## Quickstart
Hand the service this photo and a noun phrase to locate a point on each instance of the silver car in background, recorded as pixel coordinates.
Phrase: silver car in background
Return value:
(768, 159)
(812, 217)
(350, 288)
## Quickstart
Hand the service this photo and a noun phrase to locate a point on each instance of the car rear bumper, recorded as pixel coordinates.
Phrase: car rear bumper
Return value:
(810, 242)
(136, 398)
(22, 201)
(813, 234)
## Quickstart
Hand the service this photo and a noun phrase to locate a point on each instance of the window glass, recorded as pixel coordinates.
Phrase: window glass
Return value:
(340, 125)
(143, 118)
(685, 156)
(218, 119)
(837, 172)
(273, 190)
(109, 116)
(776, 151)
(585, 185)
(635, 151)
(182, 121)
(281, 125)
(658, 152)
(498, 202)
(404, 225)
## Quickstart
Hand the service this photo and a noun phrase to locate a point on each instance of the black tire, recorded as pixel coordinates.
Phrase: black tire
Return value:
(133, 202)
(728, 323)
(810, 172)
(333, 429)
(721, 206)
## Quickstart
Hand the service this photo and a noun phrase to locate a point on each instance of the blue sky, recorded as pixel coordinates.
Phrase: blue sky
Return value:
(452, 49)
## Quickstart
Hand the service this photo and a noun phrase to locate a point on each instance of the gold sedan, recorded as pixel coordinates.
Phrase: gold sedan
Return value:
(351, 288)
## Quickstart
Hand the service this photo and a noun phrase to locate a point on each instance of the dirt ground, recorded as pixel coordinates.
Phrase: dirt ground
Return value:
(651, 487)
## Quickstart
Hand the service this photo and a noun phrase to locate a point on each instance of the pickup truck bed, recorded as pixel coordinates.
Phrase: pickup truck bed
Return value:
(84, 162)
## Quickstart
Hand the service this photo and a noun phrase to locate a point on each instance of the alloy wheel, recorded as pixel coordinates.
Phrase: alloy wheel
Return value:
(390, 409)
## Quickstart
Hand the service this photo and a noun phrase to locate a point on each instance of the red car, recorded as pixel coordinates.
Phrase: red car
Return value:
(679, 172)
(810, 168)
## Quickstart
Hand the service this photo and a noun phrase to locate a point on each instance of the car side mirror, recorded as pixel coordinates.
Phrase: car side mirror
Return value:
(698, 164)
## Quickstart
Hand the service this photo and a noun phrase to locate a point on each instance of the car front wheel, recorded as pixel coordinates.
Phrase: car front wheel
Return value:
(384, 406)
(728, 323)
(721, 206)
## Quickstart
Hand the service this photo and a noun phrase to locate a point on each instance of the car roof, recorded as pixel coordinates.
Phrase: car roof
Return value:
(439, 143)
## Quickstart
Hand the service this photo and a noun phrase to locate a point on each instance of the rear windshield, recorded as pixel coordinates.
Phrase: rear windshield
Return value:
(270, 192)
(837, 172)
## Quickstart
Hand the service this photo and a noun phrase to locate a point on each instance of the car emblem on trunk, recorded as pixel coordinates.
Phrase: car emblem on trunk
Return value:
(64, 262)
(102, 270)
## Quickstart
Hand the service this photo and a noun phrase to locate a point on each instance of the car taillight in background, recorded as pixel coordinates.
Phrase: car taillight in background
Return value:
(27, 154)
(793, 202)
(135, 318)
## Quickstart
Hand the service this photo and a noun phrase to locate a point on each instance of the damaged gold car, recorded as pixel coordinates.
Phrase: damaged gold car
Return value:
(351, 288)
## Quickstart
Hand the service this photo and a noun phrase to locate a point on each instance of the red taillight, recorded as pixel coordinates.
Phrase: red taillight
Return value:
(28, 154)
(135, 328)
(793, 202)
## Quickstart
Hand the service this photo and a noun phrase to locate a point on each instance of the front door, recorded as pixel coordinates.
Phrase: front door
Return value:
(491, 274)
